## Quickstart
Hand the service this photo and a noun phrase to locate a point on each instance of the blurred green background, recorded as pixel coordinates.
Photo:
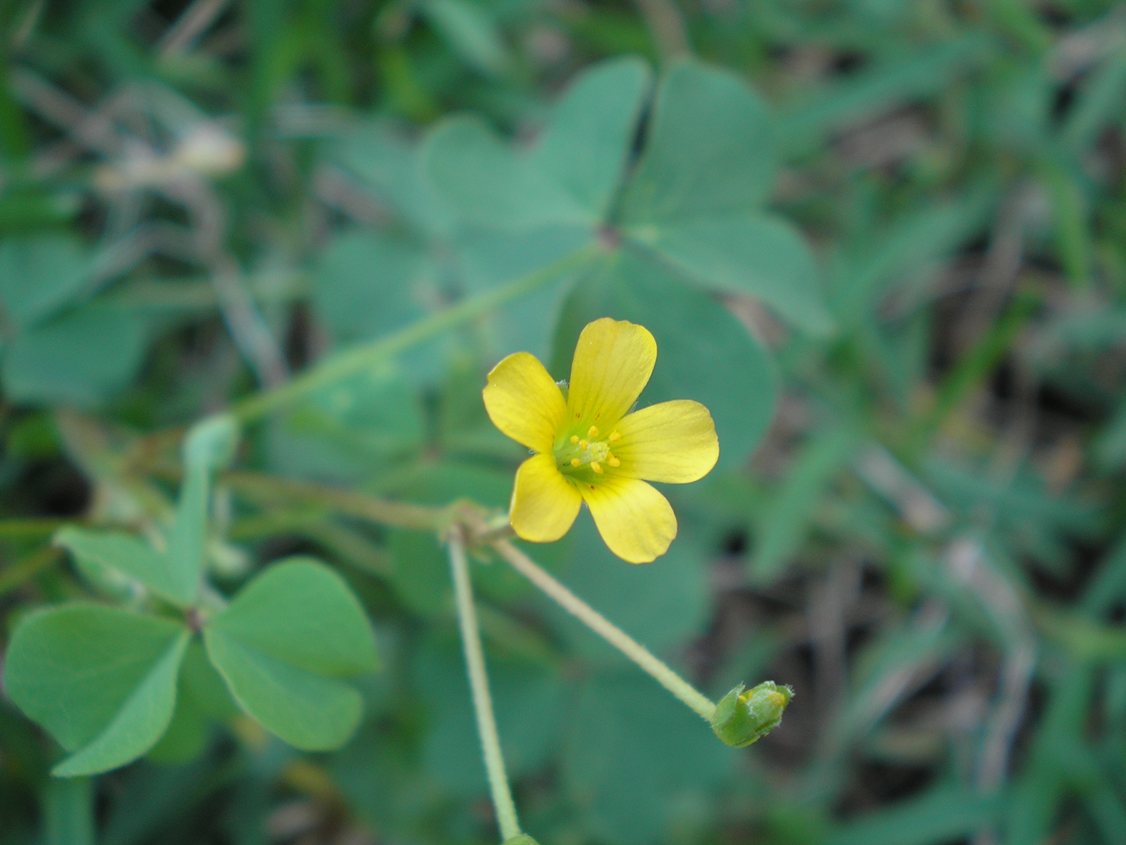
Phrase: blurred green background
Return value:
(896, 272)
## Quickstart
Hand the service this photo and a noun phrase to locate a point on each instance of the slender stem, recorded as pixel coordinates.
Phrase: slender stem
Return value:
(602, 626)
(22, 571)
(364, 357)
(666, 26)
(371, 508)
(32, 527)
(479, 684)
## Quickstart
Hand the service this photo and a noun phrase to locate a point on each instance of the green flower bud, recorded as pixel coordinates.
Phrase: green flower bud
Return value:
(520, 839)
(744, 717)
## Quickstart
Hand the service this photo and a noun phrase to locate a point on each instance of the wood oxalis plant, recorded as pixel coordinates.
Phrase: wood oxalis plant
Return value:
(112, 684)
(172, 654)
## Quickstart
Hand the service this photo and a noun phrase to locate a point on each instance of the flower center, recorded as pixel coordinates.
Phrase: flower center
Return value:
(584, 456)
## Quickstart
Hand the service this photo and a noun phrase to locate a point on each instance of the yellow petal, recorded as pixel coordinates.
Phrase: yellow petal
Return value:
(524, 402)
(671, 441)
(544, 503)
(635, 521)
(612, 364)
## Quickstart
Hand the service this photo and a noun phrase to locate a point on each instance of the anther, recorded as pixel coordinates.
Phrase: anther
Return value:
(575, 462)
(592, 432)
(597, 467)
(583, 444)
(614, 462)
(574, 438)
(614, 436)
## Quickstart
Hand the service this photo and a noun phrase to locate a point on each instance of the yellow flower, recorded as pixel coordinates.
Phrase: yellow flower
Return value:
(590, 448)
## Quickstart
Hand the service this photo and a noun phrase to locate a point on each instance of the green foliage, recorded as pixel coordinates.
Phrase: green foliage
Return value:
(55, 343)
(101, 680)
(881, 241)
(283, 644)
(104, 681)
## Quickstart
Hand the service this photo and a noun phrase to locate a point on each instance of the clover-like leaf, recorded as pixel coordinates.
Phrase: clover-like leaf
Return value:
(571, 175)
(709, 150)
(173, 573)
(131, 556)
(101, 680)
(707, 167)
(745, 253)
(38, 276)
(284, 644)
(68, 358)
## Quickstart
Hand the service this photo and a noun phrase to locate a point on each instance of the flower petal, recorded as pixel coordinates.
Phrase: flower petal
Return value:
(524, 402)
(635, 521)
(612, 364)
(670, 441)
(544, 503)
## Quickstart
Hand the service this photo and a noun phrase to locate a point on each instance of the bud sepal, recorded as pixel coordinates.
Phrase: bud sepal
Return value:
(744, 716)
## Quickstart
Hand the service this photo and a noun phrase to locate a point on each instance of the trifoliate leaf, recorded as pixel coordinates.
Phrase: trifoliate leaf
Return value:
(101, 680)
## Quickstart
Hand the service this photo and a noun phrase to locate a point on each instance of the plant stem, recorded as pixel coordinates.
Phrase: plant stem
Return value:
(338, 500)
(479, 684)
(32, 527)
(364, 357)
(22, 571)
(627, 645)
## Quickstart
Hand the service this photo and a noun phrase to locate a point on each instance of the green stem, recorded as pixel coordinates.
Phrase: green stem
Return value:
(33, 527)
(337, 500)
(627, 645)
(22, 571)
(353, 361)
(479, 684)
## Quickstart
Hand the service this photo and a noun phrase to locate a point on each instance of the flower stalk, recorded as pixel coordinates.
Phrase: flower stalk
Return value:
(479, 685)
(627, 645)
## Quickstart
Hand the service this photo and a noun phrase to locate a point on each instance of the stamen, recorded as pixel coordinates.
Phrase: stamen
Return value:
(614, 436)
(575, 462)
(574, 438)
(614, 462)
(592, 432)
(597, 467)
(583, 444)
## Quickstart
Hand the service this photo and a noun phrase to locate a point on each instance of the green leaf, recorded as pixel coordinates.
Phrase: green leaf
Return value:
(488, 259)
(709, 150)
(703, 351)
(131, 556)
(569, 178)
(201, 699)
(101, 680)
(584, 148)
(187, 538)
(372, 283)
(745, 253)
(80, 357)
(283, 643)
(381, 159)
(38, 276)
